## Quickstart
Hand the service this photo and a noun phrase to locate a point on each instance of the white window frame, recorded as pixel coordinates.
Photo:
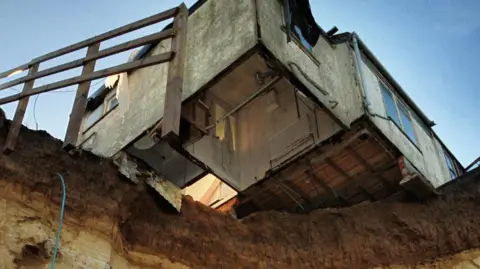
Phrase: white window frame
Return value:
(105, 107)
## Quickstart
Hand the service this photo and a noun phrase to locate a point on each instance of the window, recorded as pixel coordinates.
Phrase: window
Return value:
(104, 104)
(407, 124)
(226, 129)
(112, 102)
(399, 113)
(300, 23)
(94, 116)
(390, 105)
(450, 165)
(301, 38)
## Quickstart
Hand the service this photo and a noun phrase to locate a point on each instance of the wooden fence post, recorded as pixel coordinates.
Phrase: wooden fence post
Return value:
(19, 114)
(78, 109)
(173, 96)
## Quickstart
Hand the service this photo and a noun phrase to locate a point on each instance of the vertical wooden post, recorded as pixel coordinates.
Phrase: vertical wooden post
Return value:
(78, 109)
(173, 95)
(19, 113)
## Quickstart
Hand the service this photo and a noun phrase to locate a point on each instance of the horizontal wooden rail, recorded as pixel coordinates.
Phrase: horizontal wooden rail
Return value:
(99, 38)
(101, 54)
(152, 60)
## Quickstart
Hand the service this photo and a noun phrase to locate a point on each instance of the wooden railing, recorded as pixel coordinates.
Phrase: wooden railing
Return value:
(176, 57)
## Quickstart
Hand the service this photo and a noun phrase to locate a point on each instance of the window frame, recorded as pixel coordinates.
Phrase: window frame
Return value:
(294, 35)
(109, 100)
(407, 111)
(106, 109)
(402, 107)
(89, 124)
(230, 138)
(449, 160)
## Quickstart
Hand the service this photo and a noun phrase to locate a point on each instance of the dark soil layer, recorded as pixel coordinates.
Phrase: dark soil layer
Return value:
(362, 236)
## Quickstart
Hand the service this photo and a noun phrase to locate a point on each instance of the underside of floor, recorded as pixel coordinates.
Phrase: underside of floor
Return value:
(350, 168)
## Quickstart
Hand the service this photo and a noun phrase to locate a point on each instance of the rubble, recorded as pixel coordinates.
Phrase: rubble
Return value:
(120, 220)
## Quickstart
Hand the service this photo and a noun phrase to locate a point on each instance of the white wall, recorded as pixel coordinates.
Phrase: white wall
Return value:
(427, 157)
(219, 32)
(335, 73)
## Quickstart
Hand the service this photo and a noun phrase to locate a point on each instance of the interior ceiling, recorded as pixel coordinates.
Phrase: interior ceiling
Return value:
(240, 83)
(359, 168)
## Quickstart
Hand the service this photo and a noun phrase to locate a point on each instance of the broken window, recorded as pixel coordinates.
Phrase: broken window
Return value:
(226, 128)
(300, 22)
(398, 112)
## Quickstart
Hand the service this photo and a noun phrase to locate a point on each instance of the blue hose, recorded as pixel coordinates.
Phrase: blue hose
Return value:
(57, 240)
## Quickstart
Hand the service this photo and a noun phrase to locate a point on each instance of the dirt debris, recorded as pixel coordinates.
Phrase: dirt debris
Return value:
(38, 254)
(362, 236)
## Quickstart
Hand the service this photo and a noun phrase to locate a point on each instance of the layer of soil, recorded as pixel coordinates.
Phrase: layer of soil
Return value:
(361, 236)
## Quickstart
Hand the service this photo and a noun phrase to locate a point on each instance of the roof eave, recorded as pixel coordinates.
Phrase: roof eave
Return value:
(371, 57)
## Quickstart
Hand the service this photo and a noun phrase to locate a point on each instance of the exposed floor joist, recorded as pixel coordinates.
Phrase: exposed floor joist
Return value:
(339, 170)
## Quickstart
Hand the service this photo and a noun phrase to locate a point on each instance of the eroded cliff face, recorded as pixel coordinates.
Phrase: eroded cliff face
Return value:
(110, 221)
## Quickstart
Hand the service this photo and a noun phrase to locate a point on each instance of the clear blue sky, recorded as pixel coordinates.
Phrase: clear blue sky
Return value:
(429, 46)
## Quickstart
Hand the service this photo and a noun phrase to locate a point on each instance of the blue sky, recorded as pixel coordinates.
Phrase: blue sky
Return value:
(429, 46)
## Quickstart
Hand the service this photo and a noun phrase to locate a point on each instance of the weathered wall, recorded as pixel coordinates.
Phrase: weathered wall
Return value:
(426, 157)
(141, 97)
(214, 41)
(334, 73)
(268, 139)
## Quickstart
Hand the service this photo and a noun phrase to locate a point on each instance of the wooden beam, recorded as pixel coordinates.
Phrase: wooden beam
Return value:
(149, 61)
(327, 188)
(370, 169)
(7, 73)
(276, 198)
(110, 34)
(334, 149)
(91, 57)
(78, 109)
(207, 196)
(289, 192)
(305, 197)
(195, 124)
(339, 170)
(99, 38)
(16, 124)
(173, 95)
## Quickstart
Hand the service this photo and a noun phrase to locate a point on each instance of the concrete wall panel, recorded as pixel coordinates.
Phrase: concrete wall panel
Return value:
(427, 157)
(219, 32)
(334, 73)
